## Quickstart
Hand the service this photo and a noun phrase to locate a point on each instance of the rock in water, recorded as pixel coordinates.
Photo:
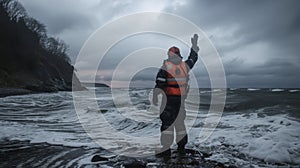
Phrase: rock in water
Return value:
(135, 163)
(98, 158)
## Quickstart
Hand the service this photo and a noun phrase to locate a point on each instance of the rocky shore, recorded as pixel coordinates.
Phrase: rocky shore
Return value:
(23, 83)
(26, 154)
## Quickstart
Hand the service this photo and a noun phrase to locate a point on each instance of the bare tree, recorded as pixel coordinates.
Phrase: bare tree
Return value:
(14, 9)
(36, 27)
(4, 4)
(57, 47)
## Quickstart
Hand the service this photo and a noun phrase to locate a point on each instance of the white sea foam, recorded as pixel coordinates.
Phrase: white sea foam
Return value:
(277, 90)
(273, 139)
(91, 88)
(16, 131)
(252, 89)
(294, 90)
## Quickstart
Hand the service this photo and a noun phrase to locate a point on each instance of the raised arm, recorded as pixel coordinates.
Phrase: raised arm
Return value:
(193, 57)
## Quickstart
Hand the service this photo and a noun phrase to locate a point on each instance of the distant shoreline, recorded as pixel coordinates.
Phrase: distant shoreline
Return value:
(13, 91)
(88, 84)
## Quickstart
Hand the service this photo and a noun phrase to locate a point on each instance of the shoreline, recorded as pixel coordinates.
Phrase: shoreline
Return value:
(5, 92)
(89, 157)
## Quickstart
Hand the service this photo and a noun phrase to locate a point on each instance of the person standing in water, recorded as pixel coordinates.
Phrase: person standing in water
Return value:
(172, 81)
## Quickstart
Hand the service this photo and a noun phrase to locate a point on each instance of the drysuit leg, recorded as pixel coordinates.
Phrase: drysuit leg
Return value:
(181, 135)
(167, 128)
(169, 117)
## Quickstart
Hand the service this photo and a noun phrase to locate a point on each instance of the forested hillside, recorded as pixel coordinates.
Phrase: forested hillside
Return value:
(29, 58)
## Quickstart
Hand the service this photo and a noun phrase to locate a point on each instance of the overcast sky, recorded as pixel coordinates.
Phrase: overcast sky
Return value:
(258, 40)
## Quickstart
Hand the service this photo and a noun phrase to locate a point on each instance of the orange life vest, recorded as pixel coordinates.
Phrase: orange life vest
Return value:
(177, 78)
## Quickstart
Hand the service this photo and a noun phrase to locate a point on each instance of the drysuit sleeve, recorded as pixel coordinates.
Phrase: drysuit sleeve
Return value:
(161, 81)
(192, 59)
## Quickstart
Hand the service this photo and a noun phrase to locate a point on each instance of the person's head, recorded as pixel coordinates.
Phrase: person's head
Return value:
(174, 52)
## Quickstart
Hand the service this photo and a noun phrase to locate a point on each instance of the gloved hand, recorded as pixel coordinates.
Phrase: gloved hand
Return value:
(194, 40)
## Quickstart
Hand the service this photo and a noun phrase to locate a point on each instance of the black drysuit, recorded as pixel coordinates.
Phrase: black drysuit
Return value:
(172, 111)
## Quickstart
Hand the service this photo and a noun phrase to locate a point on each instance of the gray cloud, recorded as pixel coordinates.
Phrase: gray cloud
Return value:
(258, 40)
(58, 15)
(273, 21)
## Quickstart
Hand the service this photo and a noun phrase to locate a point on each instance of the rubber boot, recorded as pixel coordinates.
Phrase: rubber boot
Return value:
(181, 150)
(163, 152)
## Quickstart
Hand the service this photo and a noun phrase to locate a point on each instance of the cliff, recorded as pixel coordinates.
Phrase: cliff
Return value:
(30, 60)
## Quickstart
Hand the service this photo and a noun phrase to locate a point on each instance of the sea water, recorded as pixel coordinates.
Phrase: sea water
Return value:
(259, 127)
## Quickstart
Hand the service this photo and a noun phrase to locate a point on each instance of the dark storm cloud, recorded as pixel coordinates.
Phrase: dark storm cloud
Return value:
(274, 21)
(258, 40)
(58, 15)
(67, 21)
